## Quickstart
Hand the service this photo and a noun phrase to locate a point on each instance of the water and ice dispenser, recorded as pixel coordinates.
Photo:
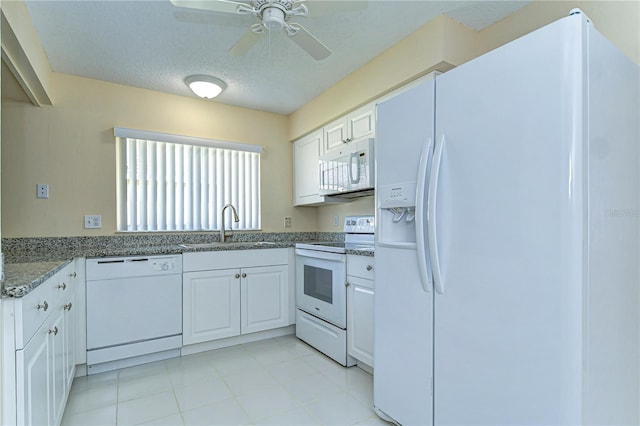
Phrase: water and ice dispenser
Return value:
(396, 214)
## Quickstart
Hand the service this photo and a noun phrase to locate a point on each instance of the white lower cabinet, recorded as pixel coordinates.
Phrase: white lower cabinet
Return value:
(227, 302)
(38, 348)
(360, 302)
(264, 296)
(210, 305)
(33, 365)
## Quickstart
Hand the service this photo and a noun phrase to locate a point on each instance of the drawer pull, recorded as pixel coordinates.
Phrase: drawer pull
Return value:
(44, 306)
(54, 331)
(73, 275)
(62, 286)
(369, 267)
(68, 306)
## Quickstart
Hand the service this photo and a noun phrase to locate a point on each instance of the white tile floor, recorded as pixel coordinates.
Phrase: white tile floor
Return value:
(279, 381)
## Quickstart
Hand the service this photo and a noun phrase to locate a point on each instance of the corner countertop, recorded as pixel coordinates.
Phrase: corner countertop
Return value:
(21, 278)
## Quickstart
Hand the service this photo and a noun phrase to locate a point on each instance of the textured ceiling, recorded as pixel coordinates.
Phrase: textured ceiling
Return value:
(155, 45)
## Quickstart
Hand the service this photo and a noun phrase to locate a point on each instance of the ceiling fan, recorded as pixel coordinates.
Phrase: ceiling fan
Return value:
(271, 15)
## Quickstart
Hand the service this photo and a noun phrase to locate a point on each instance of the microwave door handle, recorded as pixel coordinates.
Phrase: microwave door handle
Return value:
(355, 155)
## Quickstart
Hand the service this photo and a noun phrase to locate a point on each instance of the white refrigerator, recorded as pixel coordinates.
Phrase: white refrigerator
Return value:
(508, 238)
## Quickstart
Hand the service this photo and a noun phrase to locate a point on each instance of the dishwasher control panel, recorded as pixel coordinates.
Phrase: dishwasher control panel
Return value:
(163, 265)
(132, 266)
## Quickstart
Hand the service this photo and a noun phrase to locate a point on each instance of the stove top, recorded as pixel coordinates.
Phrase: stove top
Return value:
(333, 247)
(359, 234)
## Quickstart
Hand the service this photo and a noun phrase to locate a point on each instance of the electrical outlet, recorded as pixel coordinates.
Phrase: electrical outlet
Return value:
(93, 221)
(287, 222)
(42, 190)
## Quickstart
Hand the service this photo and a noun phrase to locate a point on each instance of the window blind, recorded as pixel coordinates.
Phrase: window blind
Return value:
(182, 185)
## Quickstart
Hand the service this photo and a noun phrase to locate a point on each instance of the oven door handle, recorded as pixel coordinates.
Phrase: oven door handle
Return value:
(313, 254)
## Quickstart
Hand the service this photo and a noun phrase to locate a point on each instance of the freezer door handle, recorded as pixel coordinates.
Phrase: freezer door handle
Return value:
(431, 215)
(421, 244)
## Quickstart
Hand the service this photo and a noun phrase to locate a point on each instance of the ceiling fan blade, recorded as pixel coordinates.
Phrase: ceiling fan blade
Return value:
(244, 43)
(226, 6)
(324, 7)
(309, 43)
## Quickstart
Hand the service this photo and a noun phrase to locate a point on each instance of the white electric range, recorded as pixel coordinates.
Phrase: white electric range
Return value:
(321, 293)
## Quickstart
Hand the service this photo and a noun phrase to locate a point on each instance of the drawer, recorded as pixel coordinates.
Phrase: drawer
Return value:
(32, 310)
(360, 266)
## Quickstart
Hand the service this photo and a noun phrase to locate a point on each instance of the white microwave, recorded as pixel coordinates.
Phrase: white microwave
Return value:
(349, 171)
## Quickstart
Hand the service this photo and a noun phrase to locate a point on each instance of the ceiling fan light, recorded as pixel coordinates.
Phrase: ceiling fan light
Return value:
(205, 86)
(273, 18)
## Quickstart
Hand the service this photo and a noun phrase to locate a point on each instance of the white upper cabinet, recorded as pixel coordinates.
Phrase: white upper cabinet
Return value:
(355, 125)
(306, 172)
(307, 150)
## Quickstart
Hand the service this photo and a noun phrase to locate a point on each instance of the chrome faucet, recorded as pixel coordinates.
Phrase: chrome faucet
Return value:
(223, 237)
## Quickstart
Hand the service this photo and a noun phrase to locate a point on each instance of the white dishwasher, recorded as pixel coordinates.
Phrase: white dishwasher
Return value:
(134, 310)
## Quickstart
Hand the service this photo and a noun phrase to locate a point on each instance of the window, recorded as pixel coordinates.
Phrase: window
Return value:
(177, 183)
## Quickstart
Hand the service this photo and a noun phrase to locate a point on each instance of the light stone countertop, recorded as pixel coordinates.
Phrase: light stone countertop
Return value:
(22, 278)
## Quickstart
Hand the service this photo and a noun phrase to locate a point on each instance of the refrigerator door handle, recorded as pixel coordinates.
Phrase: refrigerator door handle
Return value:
(431, 215)
(421, 244)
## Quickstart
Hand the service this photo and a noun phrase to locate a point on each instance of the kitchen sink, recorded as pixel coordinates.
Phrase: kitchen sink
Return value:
(219, 244)
(200, 245)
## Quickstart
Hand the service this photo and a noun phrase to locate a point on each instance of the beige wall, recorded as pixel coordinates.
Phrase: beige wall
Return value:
(438, 45)
(71, 147)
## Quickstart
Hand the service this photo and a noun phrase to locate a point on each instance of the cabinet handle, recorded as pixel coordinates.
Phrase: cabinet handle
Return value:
(54, 331)
(346, 284)
(345, 140)
(44, 306)
(369, 267)
(62, 286)
(73, 275)
(237, 275)
(68, 306)
(244, 275)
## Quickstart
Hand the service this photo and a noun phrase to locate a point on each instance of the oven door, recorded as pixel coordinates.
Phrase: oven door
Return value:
(320, 285)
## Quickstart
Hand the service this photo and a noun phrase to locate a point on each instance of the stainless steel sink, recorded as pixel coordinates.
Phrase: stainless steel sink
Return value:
(200, 245)
(231, 244)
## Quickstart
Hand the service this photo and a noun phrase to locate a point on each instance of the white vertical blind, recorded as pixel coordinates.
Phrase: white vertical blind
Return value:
(163, 186)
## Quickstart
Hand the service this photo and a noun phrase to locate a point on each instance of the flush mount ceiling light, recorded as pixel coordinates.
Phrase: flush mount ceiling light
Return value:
(205, 86)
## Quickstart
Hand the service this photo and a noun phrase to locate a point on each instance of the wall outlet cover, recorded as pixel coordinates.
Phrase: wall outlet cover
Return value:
(42, 190)
(93, 221)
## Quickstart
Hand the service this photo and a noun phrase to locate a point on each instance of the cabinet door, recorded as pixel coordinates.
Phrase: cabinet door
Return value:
(265, 298)
(360, 298)
(34, 405)
(57, 373)
(335, 134)
(306, 153)
(69, 331)
(210, 305)
(361, 122)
